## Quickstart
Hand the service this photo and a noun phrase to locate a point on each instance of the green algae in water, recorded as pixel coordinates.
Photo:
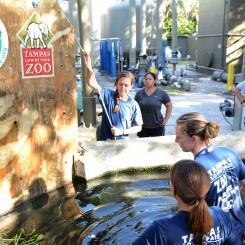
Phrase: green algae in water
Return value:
(22, 237)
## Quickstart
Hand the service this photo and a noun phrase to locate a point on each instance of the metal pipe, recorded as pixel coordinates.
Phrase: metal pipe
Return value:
(102, 100)
(208, 68)
(220, 35)
(174, 36)
(243, 66)
(132, 33)
(223, 45)
(143, 27)
(238, 110)
(106, 112)
(89, 102)
(159, 29)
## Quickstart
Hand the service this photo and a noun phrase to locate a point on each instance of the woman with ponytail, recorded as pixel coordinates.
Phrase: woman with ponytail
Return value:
(194, 222)
(121, 115)
(224, 166)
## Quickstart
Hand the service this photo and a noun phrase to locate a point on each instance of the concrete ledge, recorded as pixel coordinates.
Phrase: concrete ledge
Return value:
(99, 158)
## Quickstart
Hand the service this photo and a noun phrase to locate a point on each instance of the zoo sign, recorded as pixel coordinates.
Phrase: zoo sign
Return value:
(4, 44)
(37, 62)
(36, 51)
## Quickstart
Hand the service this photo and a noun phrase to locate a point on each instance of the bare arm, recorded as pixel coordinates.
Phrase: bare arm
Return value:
(169, 108)
(133, 130)
(90, 77)
(238, 94)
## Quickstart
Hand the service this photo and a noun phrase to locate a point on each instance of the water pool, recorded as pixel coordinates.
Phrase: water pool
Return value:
(118, 208)
(110, 210)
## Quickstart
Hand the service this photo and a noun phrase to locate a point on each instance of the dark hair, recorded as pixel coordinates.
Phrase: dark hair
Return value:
(191, 183)
(153, 75)
(193, 123)
(126, 74)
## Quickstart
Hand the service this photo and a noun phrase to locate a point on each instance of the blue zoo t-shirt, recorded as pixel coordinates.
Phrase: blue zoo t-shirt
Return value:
(174, 230)
(128, 115)
(225, 169)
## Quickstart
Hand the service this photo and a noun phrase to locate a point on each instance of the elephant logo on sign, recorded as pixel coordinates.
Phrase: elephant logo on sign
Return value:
(38, 32)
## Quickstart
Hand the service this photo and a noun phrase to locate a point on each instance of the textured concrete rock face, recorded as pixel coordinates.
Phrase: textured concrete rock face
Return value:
(38, 119)
(99, 158)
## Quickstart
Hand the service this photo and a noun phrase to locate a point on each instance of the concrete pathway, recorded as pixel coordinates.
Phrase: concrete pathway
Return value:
(206, 104)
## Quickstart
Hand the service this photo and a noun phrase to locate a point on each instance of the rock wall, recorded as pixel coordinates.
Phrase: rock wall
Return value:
(99, 158)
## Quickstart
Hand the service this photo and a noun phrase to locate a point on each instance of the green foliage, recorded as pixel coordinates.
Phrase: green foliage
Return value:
(187, 18)
(185, 27)
(22, 238)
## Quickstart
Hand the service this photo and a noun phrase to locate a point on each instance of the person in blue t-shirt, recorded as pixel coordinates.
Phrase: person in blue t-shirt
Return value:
(121, 114)
(224, 166)
(194, 222)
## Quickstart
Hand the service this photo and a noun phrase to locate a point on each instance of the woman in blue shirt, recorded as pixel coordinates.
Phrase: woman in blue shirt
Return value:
(224, 166)
(121, 114)
(194, 222)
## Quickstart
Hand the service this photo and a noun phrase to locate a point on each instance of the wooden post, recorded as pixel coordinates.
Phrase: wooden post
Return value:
(38, 108)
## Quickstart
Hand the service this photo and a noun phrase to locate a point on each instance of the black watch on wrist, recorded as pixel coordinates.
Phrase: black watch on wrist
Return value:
(242, 102)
